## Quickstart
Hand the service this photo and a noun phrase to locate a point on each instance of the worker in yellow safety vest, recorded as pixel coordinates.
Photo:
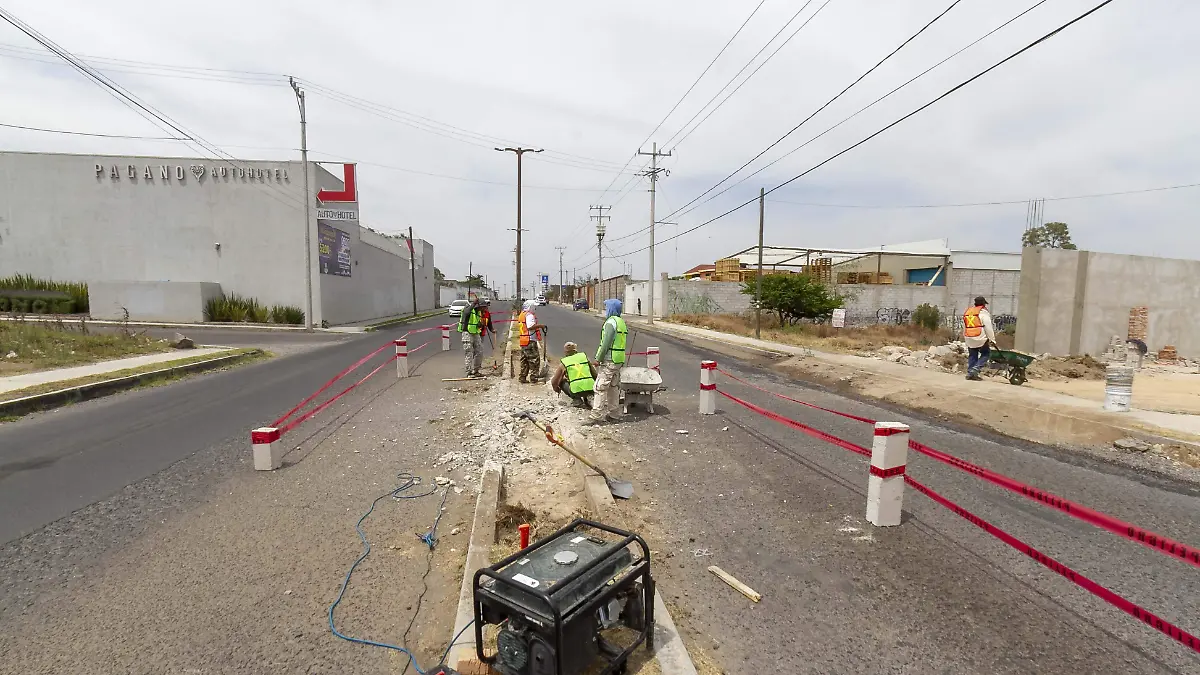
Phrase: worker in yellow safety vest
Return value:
(979, 333)
(530, 335)
(609, 359)
(471, 325)
(576, 376)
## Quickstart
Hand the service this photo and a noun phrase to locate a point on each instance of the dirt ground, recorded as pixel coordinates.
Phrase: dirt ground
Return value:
(846, 340)
(1170, 392)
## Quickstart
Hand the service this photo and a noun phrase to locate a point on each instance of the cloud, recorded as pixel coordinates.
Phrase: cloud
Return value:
(1105, 106)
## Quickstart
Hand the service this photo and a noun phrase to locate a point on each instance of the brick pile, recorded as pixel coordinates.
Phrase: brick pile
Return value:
(1139, 323)
(1168, 354)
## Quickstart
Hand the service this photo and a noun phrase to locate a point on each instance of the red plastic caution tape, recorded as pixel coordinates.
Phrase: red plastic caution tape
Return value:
(329, 384)
(788, 398)
(1150, 619)
(308, 415)
(847, 445)
(422, 330)
(1115, 525)
(414, 351)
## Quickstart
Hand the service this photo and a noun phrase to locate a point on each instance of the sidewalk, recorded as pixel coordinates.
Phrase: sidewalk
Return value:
(15, 382)
(1026, 412)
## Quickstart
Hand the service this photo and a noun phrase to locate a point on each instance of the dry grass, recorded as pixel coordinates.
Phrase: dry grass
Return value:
(40, 346)
(821, 336)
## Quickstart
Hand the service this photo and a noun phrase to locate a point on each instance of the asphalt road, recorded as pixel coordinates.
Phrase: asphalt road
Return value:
(56, 462)
(785, 513)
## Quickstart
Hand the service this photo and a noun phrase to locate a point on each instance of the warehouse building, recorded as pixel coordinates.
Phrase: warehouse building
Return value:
(160, 236)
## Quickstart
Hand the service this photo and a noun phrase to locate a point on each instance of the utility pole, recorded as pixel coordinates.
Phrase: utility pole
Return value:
(600, 228)
(470, 273)
(308, 298)
(412, 266)
(519, 152)
(762, 201)
(653, 174)
(560, 250)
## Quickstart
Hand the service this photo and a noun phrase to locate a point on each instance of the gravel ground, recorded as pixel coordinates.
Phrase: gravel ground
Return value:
(210, 567)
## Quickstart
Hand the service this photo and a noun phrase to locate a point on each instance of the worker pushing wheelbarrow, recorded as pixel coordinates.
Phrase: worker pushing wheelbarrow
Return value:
(980, 335)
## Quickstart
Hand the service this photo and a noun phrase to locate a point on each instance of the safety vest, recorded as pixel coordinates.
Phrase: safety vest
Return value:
(972, 324)
(618, 345)
(472, 322)
(521, 322)
(579, 373)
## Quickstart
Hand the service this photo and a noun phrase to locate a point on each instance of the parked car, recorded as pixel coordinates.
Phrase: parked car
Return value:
(457, 306)
(581, 303)
(541, 300)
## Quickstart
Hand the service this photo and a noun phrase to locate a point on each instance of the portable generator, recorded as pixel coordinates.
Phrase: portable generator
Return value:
(553, 599)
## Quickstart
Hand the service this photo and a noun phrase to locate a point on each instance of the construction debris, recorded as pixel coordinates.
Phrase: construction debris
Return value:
(735, 584)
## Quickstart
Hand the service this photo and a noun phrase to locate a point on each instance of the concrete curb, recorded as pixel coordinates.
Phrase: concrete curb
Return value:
(479, 552)
(83, 392)
(599, 499)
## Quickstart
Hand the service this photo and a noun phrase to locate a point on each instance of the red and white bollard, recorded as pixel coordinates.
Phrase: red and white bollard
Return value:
(445, 338)
(708, 388)
(885, 487)
(401, 358)
(652, 358)
(268, 448)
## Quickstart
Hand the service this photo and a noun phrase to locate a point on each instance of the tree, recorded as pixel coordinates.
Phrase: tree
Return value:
(474, 282)
(794, 297)
(1050, 235)
(438, 276)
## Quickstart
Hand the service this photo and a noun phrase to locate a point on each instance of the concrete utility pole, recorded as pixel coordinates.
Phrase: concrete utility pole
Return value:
(560, 250)
(470, 273)
(762, 200)
(600, 228)
(412, 266)
(653, 174)
(308, 298)
(519, 152)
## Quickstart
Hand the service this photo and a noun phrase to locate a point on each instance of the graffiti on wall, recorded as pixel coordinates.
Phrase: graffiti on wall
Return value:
(686, 303)
(893, 315)
(1004, 321)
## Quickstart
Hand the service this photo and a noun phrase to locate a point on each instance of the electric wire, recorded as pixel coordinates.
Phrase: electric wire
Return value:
(896, 122)
(681, 211)
(825, 105)
(748, 77)
(84, 133)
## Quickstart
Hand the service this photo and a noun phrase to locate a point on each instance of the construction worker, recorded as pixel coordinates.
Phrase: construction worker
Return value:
(575, 377)
(485, 321)
(530, 337)
(609, 359)
(470, 324)
(979, 333)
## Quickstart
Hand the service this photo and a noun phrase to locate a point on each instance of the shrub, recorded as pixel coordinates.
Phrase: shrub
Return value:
(287, 314)
(927, 316)
(78, 291)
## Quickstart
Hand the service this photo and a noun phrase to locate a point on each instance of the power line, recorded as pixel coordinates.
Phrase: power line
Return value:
(682, 212)
(685, 95)
(748, 63)
(793, 130)
(84, 133)
(1006, 202)
(944, 95)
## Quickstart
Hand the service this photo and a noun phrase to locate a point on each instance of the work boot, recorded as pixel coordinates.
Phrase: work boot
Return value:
(974, 377)
(521, 380)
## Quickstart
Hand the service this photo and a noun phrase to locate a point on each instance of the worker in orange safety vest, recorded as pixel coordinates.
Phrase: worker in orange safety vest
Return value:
(530, 335)
(979, 333)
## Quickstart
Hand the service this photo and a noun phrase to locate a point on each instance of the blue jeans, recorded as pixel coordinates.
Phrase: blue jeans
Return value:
(977, 358)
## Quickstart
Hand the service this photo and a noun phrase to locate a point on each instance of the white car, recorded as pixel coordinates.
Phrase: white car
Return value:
(457, 306)
(540, 300)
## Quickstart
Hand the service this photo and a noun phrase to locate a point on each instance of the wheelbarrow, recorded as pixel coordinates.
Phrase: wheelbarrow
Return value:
(638, 386)
(1013, 363)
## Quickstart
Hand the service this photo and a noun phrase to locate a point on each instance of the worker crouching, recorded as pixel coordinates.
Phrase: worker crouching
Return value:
(575, 377)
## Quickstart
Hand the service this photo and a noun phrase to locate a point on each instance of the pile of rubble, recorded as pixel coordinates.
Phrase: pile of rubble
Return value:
(948, 358)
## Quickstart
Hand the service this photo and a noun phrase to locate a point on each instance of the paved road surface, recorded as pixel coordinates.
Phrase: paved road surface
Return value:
(56, 462)
(785, 513)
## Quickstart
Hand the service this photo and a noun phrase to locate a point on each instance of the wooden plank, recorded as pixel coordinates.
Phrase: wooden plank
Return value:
(737, 585)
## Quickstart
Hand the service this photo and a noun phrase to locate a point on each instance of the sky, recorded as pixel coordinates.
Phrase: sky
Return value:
(413, 89)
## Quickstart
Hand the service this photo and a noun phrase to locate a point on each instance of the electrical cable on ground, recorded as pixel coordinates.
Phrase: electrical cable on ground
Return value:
(408, 481)
(430, 540)
(895, 123)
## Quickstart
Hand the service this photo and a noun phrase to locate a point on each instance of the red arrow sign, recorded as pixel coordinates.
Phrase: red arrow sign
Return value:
(350, 194)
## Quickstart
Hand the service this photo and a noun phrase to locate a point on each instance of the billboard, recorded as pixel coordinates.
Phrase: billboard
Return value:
(333, 250)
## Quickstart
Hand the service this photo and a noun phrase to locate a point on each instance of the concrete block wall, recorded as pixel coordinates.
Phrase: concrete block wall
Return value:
(1000, 287)
(706, 297)
(173, 301)
(868, 304)
(1074, 302)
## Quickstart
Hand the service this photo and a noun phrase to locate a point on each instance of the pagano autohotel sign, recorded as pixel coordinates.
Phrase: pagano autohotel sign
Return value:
(179, 173)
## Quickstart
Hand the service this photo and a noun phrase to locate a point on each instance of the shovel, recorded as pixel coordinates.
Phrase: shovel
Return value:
(622, 489)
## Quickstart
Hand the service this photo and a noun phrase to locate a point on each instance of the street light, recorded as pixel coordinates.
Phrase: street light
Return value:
(519, 152)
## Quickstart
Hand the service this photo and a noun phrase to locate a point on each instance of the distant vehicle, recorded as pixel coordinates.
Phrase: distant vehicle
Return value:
(541, 300)
(457, 306)
(581, 303)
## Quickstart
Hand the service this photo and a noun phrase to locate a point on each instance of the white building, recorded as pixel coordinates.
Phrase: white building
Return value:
(158, 236)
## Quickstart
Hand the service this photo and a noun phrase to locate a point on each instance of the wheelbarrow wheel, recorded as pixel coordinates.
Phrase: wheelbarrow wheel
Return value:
(1017, 376)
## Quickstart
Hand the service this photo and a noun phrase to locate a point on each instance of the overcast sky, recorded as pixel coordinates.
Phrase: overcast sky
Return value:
(1108, 105)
